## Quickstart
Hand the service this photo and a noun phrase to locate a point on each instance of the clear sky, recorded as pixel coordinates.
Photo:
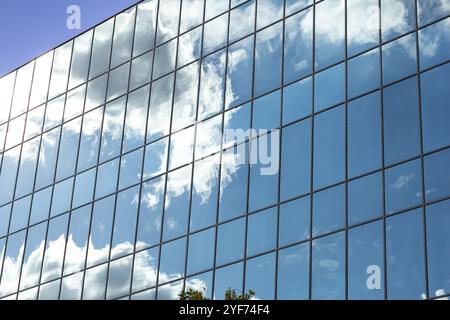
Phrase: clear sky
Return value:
(29, 28)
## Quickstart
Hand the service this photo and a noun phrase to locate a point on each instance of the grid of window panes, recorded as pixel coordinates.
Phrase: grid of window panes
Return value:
(116, 182)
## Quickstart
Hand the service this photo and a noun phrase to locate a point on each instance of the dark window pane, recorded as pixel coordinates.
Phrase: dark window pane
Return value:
(201, 251)
(329, 87)
(262, 233)
(172, 260)
(297, 100)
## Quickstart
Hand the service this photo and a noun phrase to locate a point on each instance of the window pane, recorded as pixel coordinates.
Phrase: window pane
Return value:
(214, 8)
(208, 137)
(397, 18)
(364, 134)
(242, 21)
(233, 183)
(239, 73)
(119, 278)
(172, 260)
(95, 283)
(84, 188)
(12, 261)
(262, 233)
(176, 213)
(27, 170)
(435, 111)
(329, 210)
(431, 10)
(60, 70)
(226, 278)
(123, 37)
(144, 270)
(260, 277)
(405, 256)
(47, 158)
(35, 120)
(96, 92)
(112, 129)
(40, 209)
(330, 32)
(191, 14)
(168, 20)
(71, 287)
(144, 37)
(90, 139)
(295, 5)
(77, 242)
(230, 242)
(293, 273)
(294, 221)
(15, 131)
(150, 215)
(62, 195)
(401, 121)
(22, 89)
(212, 85)
(329, 87)
(264, 177)
(141, 70)
(185, 102)
(399, 58)
(50, 291)
(54, 249)
(118, 81)
(5, 212)
(365, 199)
(438, 223)
(267, 111)
(32, 260)
(403, 186)
(269, 11)
(80, 60)
(437, 175)
(201, 251)
(41, 80)
(268, 59)
(135, 120)
(434, 44)
(297, 100)
(131, 168)
(155, 158)
(296, 160)
(20, 214)
(329, 153)
(204, 193)
(100, 237)
(160, 108)
(68, 149)
(189, 46)
(363, 20)
(298, 46)
(328, 268)
(366, 262)
(125, 222)
(364, 73)
(8, 174)
(107, 178)
(101, 48)
(7, 90)
(235, 122)
(164, 59)
(215, 34)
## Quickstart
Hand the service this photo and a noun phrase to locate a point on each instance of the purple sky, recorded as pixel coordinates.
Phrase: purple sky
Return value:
(29, 28)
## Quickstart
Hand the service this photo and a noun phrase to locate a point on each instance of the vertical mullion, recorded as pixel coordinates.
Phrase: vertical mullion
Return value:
(143, 151)
(216, 231)
(422, 157)
(116, 194)
(76, 169)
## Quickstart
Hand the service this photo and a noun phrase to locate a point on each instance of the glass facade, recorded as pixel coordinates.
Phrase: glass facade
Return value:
(118, 180)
